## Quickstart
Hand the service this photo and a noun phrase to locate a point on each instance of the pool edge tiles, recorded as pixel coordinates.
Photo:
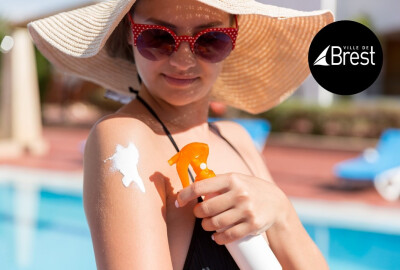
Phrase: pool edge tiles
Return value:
(348, 215)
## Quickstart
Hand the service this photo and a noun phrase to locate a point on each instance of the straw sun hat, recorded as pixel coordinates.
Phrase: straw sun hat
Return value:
(267, 65)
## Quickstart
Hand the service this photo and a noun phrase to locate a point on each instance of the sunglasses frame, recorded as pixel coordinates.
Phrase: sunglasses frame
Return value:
(137, 29)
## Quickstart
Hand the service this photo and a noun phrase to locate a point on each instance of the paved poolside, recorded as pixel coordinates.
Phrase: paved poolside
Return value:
(301, 172)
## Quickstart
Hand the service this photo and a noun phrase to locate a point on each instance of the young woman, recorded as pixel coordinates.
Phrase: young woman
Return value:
(139, 215)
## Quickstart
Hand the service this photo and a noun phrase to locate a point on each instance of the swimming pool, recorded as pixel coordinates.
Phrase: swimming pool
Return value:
(43, 226)
(353, 236)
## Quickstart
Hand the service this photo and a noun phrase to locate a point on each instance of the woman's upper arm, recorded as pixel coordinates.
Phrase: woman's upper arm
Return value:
(127, 224)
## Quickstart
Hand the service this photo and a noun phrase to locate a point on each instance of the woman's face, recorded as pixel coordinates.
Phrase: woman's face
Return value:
(158, 76)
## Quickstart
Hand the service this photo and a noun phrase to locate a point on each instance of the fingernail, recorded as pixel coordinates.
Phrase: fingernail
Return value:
(212, 237)
(176, 204)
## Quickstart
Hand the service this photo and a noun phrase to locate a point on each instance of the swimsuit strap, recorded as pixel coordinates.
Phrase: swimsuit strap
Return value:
(198, 256)
(162, 124)
(216, 129)
(159, 120)
(213, 127)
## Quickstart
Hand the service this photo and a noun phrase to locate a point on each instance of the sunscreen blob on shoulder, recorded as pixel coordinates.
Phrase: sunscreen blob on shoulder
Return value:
(125, 160)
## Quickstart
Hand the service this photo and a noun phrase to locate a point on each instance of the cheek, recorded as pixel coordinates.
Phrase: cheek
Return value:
(147, 69)
(213, 71)
(139, 62)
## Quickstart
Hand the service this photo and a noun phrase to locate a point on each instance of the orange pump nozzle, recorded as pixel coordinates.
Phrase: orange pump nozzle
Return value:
(196, 155)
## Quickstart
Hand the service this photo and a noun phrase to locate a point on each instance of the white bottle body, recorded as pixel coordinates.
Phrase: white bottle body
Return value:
(253, 253)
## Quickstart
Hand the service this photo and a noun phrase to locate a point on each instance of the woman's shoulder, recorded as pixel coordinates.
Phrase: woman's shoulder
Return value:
(124, 133)
(120, 123)
(121, 128)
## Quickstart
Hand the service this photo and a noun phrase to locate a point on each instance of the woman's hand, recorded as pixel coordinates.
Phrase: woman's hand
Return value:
(236, 205)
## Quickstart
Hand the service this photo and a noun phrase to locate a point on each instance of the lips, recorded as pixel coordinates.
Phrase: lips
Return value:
(178, 80)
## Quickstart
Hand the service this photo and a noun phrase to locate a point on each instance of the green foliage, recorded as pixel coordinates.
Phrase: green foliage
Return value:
(364, 19)
(44, 73)
(343, 118)
(4, 30)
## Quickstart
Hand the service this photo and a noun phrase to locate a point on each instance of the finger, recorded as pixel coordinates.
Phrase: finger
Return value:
(222, 221)
(214, 205)
(232, 234)
(201, 188)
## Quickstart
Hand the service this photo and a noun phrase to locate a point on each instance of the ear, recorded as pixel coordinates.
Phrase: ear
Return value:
(130, 38)
(129, 34)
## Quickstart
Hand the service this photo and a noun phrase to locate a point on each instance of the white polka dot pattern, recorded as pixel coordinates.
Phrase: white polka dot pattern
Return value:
(140, 28)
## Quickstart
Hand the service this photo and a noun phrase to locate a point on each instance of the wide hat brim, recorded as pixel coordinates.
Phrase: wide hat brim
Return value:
(267, 65)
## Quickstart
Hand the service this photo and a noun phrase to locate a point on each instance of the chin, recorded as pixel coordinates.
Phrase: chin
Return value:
(181, 99)
(180, 102)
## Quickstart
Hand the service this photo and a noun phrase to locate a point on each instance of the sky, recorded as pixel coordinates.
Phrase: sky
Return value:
(23, 10)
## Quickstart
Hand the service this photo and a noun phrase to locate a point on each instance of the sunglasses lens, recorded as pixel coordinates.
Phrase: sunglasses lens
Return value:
(155, 44)
(213, 46)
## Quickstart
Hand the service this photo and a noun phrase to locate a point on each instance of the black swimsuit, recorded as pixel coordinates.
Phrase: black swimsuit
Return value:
(203, 253)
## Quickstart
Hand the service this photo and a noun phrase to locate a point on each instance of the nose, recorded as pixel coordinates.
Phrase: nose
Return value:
(183, 58)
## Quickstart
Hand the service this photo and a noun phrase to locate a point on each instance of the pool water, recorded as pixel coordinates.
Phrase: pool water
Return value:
(57, 237)
(357, 250)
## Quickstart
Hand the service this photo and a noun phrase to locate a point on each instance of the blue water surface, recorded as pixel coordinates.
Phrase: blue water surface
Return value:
(357, 249)
(61, 238)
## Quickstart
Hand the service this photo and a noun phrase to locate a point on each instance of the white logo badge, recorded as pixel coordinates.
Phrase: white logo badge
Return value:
(321, 60)
(349, 55)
